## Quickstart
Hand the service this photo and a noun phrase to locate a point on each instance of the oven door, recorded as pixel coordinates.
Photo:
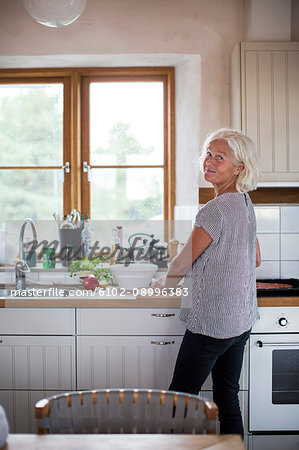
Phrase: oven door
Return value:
(274, 382)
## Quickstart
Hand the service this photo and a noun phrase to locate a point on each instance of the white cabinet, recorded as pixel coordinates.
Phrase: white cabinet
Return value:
(132, 348)
(126, 361)
(37, 363)
(45, 351)
(265, 104)
(19, 408)
(37, 354)
(127, 347)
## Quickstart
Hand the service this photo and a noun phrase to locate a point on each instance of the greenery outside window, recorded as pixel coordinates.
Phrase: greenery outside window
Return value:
(115, 129)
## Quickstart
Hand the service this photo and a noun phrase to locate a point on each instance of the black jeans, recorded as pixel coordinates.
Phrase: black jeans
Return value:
(198, 356)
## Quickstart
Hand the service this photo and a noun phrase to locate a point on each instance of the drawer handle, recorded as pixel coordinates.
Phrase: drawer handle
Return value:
(277, 344)
(163, 315)
(162, 342)
(1, 341)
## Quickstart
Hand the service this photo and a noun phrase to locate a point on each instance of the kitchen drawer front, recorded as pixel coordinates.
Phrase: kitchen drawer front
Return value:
(153, 321)
(37, 321)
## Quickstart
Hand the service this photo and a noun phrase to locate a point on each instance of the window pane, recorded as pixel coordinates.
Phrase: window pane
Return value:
(30, 193)
(126, 123)
(127, 194)
(31, 124)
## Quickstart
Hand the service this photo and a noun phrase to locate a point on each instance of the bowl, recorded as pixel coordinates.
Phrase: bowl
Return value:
(134, 275)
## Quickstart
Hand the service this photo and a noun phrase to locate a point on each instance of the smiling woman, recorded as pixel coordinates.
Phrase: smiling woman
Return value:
(218, 262)
(221, 168)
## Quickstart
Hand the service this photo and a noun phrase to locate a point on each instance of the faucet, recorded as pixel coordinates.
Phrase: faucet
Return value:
(21, 266)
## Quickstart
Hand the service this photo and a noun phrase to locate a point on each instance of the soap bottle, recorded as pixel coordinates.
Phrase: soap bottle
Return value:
(172, 249)
(87, 236)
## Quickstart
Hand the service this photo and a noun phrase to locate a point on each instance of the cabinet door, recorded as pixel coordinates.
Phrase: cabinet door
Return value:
(269, 94)
(37, 362)
(19, 409)
(126, 362)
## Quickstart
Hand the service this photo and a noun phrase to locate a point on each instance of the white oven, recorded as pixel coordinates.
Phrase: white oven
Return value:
(274, 371)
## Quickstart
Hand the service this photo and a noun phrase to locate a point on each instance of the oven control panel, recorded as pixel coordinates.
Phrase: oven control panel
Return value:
(277, 320)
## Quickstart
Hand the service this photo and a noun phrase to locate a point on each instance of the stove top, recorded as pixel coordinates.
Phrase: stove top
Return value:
(272, 288)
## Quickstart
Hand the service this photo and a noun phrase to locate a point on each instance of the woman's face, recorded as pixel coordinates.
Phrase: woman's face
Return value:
(219, 165)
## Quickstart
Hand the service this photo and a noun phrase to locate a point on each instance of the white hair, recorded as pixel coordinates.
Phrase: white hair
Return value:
(244, 152)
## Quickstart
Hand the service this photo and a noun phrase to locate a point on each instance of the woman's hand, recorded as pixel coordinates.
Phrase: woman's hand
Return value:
(158, 284)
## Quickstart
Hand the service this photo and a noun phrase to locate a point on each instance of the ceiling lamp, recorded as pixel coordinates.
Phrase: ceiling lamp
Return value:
(55, 13)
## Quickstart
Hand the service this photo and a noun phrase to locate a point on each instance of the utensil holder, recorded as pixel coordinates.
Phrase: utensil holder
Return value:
(67, 238)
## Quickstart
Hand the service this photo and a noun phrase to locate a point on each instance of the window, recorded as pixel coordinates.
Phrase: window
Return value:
(31, 139)
(115, 129)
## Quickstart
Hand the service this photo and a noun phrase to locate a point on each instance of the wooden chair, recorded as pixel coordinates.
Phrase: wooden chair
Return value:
(126, 411)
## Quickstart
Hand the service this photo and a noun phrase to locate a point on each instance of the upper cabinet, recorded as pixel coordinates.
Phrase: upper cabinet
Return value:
(265, 104)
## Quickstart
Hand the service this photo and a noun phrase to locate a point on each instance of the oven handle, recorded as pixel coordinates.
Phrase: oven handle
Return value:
(277, 344)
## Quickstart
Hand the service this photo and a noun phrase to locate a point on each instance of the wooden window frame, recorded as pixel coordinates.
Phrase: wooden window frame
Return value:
(76, 124)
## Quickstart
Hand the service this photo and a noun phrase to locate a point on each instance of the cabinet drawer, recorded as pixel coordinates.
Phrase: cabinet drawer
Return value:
(130, 322)
(37, 321)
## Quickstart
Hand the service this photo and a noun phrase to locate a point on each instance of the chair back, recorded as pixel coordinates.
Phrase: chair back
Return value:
(126, 411)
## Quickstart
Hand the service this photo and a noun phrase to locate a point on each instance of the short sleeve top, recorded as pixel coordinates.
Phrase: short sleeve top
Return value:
(222, 301)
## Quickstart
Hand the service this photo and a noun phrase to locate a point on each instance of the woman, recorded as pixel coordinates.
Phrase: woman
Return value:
(224, 252)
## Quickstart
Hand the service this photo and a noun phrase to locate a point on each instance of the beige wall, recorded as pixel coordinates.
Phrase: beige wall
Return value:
(127, 26)
(209, 28)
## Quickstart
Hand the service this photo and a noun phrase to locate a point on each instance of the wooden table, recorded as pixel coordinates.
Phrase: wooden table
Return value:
(122, 441)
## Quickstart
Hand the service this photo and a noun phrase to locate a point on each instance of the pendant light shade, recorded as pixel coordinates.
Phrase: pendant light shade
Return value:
(55, 13)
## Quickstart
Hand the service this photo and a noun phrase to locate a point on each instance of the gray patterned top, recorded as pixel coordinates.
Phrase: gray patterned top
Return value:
(223, 300)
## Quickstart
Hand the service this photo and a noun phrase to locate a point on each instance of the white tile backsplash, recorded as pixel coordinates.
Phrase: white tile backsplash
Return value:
(267, 219)
(290, 247)
(268, 270)
(289, 269)
(290, 219)
(269, 245)
(278, 234)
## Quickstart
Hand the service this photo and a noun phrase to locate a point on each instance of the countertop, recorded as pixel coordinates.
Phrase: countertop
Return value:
(124, 441)
(118, 299)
